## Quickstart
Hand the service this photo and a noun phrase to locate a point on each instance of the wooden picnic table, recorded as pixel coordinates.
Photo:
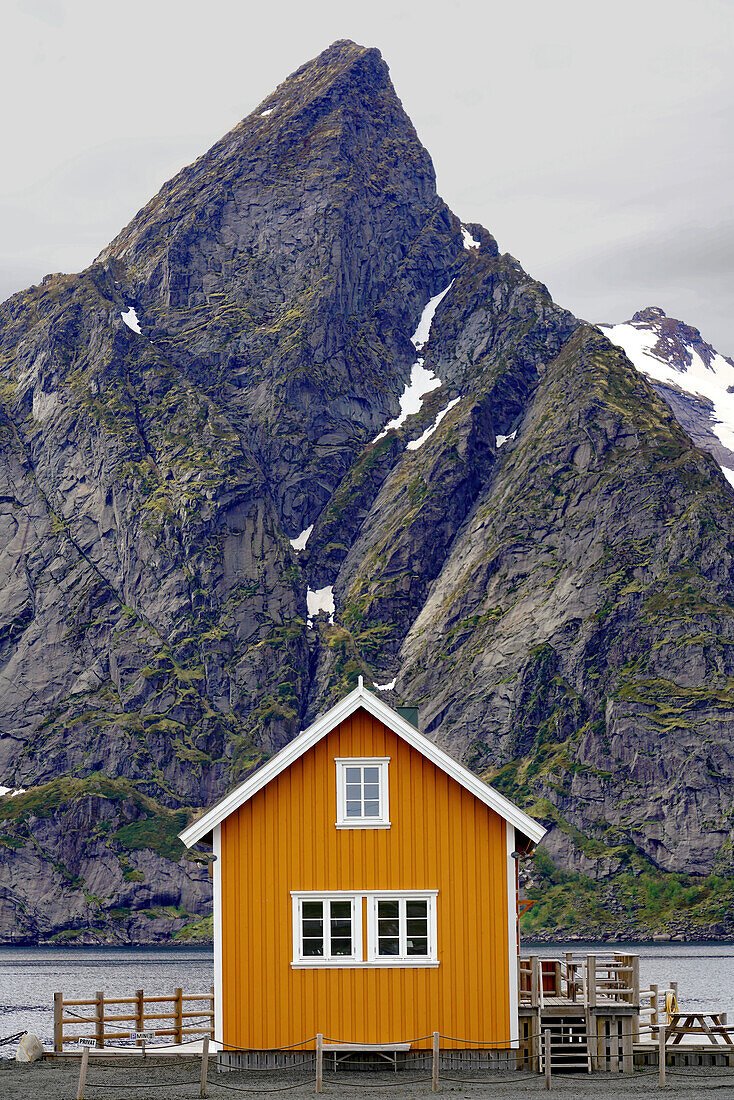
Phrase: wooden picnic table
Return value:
(698, 1023)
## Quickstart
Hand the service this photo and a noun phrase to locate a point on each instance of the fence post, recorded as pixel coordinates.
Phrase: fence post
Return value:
(653, 1004)
(204, 1065)
(547, 1057)
(139, 1012)
(661, 1053)
(58, 1024)
(99, 1018)
(319, 1062)
(591, 980)
(178, 998)
(535, 981)
(436, 1056)
(82, 1074)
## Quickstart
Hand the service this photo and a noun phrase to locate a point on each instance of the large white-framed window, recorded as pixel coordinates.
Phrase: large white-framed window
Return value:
(362, 793)
(402, 928)
(327, 928)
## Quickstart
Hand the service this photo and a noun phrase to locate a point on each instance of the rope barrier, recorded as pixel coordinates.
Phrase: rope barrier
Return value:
(489, 1079)
(383, 1084)
(388, 1046)
(274, 1069)
(502, 1043)
(12, 1038)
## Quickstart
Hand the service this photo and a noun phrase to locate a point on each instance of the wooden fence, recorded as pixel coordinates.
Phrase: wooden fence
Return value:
(590, 980)
(105, 1018)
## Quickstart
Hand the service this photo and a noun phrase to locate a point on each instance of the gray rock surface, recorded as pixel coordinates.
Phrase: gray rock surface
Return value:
(549, 575)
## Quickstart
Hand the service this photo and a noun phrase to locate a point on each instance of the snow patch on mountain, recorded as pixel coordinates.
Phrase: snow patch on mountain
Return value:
(500, 440)
(691, 373)
(131, 320)
(416, 443)
(299, 542)
(320, 599)
(422, 381)
(420, 337)
(470, 242)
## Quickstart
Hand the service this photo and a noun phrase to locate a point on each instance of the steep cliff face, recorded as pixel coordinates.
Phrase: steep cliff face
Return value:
(533, 551)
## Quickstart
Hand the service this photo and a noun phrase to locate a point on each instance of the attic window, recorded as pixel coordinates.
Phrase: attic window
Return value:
(362, 793)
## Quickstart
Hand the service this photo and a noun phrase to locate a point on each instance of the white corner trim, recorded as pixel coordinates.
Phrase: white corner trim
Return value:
(360, 697)
(218, 947)
(512, 969)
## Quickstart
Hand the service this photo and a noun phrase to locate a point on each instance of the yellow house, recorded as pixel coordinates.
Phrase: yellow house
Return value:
(365, 889)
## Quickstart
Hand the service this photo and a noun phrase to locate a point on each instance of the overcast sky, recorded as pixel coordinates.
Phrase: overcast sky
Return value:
(595, 140)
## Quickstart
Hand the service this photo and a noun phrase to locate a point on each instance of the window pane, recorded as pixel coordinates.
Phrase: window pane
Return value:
(372, 791)
(417, 927)
(417, 908)
(372, 775)
(313, 947)
(354, 790)
(341, 928)
(388, 947)
(388, 928)
(372, 809)
(341, 909)
(313, 928)
(341, 946)
(354, 809)
(354, 775)
(388, 908)
(417, 946)
(312, 909)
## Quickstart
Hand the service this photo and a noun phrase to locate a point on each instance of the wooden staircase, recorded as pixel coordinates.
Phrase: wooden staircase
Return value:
(569, 1051)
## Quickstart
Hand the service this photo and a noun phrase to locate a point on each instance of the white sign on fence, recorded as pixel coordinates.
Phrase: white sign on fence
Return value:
(86, 1042)
(142, 1035)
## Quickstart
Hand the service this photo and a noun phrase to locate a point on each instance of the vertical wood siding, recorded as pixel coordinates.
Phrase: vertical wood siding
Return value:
(441, 837)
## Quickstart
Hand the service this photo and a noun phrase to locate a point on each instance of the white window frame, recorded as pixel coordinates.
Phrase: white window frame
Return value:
(306, 961)
(375, 959)
(344, 822)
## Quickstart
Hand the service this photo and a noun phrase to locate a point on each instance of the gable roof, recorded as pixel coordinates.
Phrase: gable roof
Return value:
(360, 697)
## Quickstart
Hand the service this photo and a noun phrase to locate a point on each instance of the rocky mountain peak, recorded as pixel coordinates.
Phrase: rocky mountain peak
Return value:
(648, 315)
(695, 380)
(299, 423)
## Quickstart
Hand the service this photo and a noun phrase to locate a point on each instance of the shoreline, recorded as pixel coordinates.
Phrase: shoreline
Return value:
(525, 941)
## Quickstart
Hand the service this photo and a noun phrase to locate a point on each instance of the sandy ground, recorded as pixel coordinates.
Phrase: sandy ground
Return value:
(57, 1080)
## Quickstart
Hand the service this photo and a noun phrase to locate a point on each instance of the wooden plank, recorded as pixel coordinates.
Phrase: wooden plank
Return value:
(204, 1066)
(82, 1074)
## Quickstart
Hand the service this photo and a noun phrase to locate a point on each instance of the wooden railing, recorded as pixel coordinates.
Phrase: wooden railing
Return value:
(136, 1018)
(589, 979)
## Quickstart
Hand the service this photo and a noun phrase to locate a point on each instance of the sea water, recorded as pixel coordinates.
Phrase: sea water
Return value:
(29, 976)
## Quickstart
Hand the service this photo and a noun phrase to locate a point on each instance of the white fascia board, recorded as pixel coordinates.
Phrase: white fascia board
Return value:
(278, 763)
(360, 697)
(457, 771)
